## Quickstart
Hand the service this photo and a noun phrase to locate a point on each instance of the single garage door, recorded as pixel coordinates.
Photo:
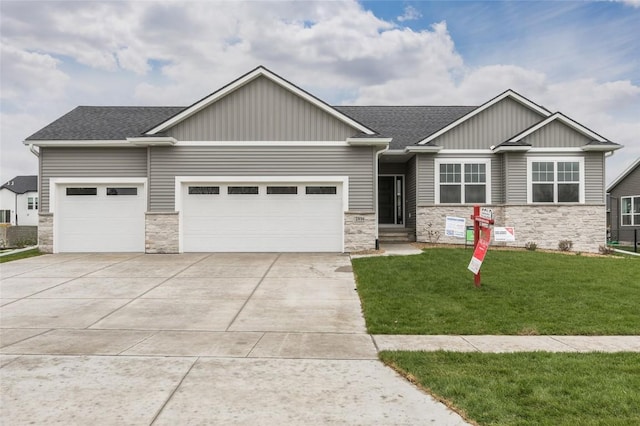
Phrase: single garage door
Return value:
(100, 218)
(262, 217)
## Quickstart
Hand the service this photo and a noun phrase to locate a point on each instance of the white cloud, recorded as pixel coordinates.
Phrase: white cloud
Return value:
(410, 14)
(632, 3)
(63, 54)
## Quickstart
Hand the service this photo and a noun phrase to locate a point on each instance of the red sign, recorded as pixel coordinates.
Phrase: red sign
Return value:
(480, 251)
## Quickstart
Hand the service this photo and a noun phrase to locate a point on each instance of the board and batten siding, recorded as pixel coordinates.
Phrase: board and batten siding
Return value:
(168, 162)
(261, 110)
(556, 135)
(492, 126)
(426, 176)
(88, 163)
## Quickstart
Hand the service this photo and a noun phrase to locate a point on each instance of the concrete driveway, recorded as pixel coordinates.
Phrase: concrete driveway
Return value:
(194, 339)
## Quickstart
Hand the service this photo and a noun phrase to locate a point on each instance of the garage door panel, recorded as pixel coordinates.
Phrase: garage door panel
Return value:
(101, 222)
(262, 222)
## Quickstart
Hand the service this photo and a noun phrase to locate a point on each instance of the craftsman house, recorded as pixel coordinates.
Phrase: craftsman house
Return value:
(262, 165)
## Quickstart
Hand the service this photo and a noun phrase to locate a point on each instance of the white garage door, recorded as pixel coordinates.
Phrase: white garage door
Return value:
(100, 218)
(262, 217)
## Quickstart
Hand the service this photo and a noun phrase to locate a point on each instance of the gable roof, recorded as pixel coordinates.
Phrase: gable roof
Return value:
(245, 79)
(624, 174)
(22, 184)
(506, 94)
(407, 125)
(104, 123)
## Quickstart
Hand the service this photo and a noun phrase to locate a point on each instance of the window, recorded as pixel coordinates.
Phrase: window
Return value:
(208, 190)
(630, 210)
(314, 190)
(32, 203)
(555, 181)
(245, 190)
(460, 182)
(5, 216)
(82, 191)
(282, 190)
(122, 191)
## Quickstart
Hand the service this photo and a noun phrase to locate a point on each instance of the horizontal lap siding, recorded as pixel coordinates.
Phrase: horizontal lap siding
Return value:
(167, 163)
(425, 179)
(88, 162)
(516, 178)
(594, 178)
(262, 111)
(410, 193)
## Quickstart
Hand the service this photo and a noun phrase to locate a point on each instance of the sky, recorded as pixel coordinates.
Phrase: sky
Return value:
(580, 58)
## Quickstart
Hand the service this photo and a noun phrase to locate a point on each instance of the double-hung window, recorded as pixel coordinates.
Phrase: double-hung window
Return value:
(630, 210)
(32, 203)
(463, 181)
(556, 180)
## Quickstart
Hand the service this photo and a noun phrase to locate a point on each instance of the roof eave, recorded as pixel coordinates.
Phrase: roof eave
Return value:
(423, 148)
(77, 143)
(600, 147)
(152, 141)
(511, 148)
(369, 141)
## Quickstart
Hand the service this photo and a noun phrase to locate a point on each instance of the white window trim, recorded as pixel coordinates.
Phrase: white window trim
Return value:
(462, 162)
(555, 160)
(628, 214)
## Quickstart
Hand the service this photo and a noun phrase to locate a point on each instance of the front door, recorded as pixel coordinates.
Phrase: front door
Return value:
(391, 200)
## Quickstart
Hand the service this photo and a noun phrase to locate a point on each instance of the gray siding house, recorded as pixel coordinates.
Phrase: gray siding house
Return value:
(262, 165)
(623, 215)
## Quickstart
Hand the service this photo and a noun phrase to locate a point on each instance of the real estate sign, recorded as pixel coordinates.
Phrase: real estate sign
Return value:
(504, 233)
(480, 250)
(455, 227)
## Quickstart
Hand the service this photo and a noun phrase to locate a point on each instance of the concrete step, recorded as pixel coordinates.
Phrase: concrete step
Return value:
(401, 235)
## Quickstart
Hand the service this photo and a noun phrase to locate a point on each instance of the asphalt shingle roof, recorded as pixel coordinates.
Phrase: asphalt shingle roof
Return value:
(22, 184)
(104, 123)
(407, 125)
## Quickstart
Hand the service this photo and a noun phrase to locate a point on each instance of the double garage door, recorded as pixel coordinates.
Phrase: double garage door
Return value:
(214, 217)
(262, 217)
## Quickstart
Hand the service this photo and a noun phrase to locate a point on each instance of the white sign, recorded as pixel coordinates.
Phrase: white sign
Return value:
(486, 213)
(455, 227)
(506, 233)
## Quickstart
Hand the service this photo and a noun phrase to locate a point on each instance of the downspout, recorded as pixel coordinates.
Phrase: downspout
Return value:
(375, 192)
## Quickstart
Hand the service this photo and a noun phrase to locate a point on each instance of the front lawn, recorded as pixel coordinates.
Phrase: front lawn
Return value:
(21, 255)
(522, 293)
(529, 388)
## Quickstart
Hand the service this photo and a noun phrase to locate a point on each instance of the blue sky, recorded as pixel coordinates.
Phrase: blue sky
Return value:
(581, 58)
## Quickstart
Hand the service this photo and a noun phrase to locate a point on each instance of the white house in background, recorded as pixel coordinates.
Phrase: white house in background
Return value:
(19, 201)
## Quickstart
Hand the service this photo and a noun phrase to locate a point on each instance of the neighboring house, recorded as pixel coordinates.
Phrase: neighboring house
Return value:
(624, 204)
(262, 165)
(19, 201)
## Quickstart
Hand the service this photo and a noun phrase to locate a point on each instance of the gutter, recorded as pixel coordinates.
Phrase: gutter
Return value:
(33, 150)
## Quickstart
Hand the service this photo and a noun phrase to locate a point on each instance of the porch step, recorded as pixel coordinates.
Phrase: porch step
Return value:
(396, 235)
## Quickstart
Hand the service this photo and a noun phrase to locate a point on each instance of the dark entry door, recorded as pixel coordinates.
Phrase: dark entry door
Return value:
(386, 199)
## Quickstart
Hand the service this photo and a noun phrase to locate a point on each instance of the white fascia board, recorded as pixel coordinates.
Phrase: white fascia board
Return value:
(369, 141)
(565, 120)
(422, 148)
(511, 148)
(260, 71)
(78, 143)
(261, 143)
(508, 94)
(153, 141)
(602, 148)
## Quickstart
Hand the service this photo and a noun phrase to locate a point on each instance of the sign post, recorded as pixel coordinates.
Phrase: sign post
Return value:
(482, 221)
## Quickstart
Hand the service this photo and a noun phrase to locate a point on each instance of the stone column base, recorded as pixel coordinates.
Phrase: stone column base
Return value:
(162, 232)
(359, 231)
(45, 232)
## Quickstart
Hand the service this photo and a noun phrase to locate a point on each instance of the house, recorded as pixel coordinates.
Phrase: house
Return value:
(19, 201)
(263, 165)
(624, 205)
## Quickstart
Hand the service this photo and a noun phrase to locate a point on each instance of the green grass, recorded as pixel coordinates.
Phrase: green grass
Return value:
(21, 255)
(530, 388)
(522, 293)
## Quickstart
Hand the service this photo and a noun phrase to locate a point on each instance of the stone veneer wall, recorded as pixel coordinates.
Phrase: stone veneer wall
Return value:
(45, 232)
(162, 232)
(359, 231)
(545, 225)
